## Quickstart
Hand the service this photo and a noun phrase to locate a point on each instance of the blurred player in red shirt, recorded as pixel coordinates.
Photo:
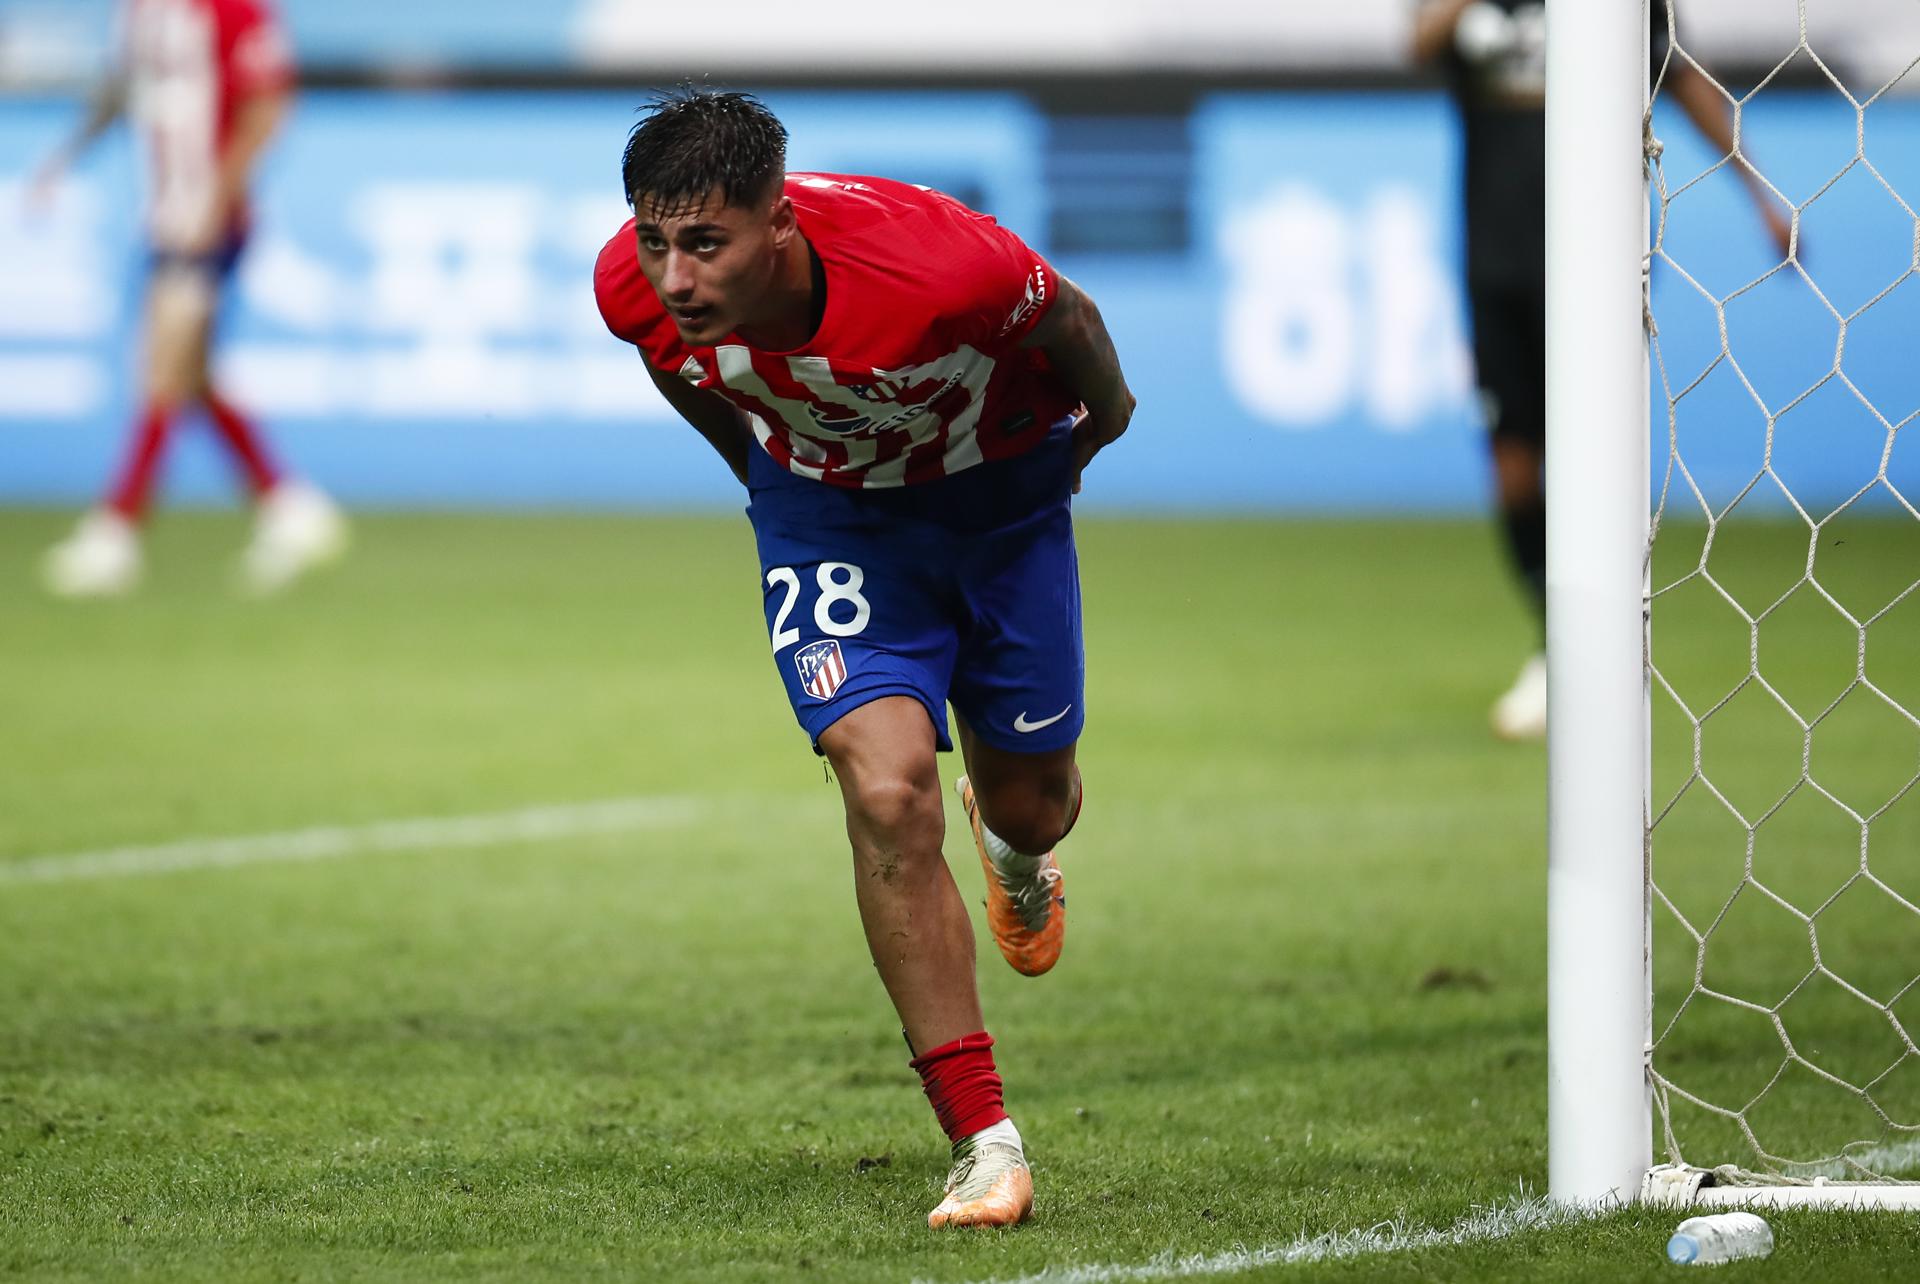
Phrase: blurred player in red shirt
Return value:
(205, 83)
(909, 394)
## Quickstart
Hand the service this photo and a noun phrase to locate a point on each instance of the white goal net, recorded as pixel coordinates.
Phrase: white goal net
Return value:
(1784, 652)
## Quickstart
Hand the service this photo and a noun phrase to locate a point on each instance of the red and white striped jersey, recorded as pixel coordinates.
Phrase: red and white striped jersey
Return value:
(189, 64)
(915, 371)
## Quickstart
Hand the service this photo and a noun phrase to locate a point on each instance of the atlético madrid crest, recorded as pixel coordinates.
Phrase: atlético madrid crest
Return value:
(822, 668)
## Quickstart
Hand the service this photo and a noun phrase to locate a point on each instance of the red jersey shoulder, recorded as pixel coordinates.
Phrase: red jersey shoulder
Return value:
(971, 277)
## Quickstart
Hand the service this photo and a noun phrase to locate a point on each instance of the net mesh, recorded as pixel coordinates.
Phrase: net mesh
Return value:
(1784, 645)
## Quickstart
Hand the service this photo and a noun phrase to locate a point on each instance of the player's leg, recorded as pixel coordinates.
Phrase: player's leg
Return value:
(103, 555)
(296, 527)
(1519, 466)
(1029, 800)
(863, 638)
(1018, 690)
(237, 432)
(921, 940)
(1020, 806)
(915, 920)
(1509, 350)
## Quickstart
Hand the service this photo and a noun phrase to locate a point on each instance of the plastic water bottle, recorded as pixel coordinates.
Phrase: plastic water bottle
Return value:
(1722, 1237)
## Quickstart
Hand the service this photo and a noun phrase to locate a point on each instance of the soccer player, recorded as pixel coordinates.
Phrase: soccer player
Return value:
(909, 394)
(206, 82)
(1494, 53)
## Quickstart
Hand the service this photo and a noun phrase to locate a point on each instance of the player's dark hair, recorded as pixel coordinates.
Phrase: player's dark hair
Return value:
(694, 140)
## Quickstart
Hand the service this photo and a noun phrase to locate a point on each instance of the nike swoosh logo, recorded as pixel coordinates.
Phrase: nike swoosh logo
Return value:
(1021, 724)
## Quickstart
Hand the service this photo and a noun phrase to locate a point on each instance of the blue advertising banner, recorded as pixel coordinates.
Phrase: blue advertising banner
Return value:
(414, 320)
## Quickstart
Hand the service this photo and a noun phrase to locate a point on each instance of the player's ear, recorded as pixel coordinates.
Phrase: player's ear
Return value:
(785, 225)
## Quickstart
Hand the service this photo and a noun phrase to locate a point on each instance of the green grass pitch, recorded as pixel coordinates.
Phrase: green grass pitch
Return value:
(1303, 991)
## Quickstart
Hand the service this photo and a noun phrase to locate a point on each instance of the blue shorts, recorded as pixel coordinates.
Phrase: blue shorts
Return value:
(964, 589)
(217, 264)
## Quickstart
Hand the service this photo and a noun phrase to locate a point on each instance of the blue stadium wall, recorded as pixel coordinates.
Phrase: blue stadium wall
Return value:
(415, 317)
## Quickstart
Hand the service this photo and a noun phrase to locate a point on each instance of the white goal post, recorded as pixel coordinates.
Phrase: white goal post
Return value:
(1599, 1014)
(1602, 1066)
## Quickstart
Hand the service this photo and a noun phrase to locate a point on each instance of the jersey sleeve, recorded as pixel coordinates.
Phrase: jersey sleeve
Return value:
(1003, 289)
(258, 54)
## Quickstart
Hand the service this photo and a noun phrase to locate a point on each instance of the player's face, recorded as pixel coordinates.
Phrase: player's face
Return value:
(714, 266)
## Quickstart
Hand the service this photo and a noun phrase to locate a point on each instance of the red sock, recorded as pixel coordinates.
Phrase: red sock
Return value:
(244, 440)
(135, 486)
(962, 1084)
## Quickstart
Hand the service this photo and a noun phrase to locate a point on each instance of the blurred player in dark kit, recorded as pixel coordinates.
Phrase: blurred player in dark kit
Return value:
(206, 84)
(909, 394)
(1494, 53)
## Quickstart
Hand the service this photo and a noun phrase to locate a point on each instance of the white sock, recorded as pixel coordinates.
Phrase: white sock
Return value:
(1004, 857)
(1003, 1132)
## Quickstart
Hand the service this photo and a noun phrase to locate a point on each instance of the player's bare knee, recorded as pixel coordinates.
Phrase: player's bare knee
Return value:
(896, 808)
(199, 386)
(174, 374)
(169, 380)
(1030, 821)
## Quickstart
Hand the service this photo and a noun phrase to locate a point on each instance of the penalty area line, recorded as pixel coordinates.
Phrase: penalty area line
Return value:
(332, 842)
(1480, 1226)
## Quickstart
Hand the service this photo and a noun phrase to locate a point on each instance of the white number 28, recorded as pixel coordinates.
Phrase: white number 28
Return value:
(839, 582)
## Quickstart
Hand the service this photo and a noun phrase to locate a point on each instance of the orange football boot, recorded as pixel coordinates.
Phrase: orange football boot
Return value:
(988, 1186)
(1027, 911)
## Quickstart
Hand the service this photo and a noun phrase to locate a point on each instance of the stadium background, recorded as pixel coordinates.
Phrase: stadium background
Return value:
(1263, 202)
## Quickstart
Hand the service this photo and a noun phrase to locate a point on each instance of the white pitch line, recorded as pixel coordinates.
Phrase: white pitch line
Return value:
(1388, 1237)
(532, 824)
